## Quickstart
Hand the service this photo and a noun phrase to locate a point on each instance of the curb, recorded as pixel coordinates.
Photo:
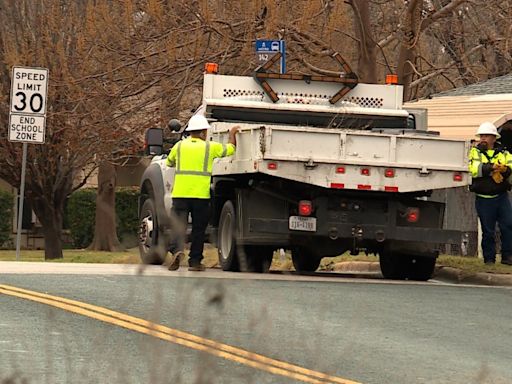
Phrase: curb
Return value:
(357, 267)
(453, 275)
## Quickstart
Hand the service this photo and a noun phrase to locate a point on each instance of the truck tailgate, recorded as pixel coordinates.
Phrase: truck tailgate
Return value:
(333, 146)
(339, 158)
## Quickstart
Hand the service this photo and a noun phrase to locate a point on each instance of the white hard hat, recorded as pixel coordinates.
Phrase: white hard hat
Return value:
(197, 123)
(488, 128)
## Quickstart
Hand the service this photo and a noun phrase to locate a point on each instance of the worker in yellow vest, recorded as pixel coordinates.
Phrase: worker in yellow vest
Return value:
(193, 158)
(490, 167)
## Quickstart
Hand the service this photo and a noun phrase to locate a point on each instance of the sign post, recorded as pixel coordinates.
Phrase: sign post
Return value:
(27, 121)
(265, 49)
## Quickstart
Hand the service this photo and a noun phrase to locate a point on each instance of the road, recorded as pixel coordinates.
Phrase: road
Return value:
(218, 327)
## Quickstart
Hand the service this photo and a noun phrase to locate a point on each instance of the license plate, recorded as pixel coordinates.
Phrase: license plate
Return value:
(299, 223)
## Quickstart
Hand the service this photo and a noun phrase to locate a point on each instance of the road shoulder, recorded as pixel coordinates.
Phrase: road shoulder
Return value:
(450, 274)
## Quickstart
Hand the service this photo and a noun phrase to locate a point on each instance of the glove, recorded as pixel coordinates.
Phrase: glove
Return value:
(497, 176)
(501, 168)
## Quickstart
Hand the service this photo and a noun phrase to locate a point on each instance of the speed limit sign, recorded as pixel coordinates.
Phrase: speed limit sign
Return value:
(28, 104)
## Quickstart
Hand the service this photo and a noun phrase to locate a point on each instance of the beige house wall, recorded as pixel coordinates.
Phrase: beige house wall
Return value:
(128, 174)
(460, 116)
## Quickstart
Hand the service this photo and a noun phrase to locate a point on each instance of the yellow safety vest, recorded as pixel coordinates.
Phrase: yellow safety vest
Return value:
(193, 158)
(478, 158)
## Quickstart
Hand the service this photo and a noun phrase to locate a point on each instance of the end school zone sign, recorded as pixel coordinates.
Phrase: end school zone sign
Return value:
(28, 105)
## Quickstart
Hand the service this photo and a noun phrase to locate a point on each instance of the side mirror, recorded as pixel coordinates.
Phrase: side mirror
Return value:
(418, 117)
(411, 121)
(154, 141)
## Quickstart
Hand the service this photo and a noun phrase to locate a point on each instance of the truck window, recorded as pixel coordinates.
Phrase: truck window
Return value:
(411, 122)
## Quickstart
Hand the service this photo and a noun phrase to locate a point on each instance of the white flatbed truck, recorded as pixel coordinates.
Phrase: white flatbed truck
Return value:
(317, 174)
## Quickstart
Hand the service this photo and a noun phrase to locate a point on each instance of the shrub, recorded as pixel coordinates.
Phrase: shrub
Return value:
(81, 211)
(6, 216)
(127, 216)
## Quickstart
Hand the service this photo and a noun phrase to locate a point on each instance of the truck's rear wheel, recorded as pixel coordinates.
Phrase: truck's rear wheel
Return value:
(148, 234)
(258, 258)
(421, 268)
(392, 265)
(400, 266)
(226, 241)
(305, 260)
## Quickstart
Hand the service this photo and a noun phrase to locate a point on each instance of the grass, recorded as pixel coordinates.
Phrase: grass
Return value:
(470, 265)
(130, 256)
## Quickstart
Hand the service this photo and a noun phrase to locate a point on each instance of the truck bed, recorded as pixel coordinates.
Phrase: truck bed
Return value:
(346, 159)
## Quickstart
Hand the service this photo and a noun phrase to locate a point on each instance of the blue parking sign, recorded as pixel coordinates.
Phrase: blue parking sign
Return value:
(266, 48)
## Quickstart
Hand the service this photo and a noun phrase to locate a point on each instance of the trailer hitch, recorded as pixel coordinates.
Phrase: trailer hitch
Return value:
(357, 236)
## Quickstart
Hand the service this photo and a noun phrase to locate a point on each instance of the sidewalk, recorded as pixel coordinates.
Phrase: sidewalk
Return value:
(453, 275)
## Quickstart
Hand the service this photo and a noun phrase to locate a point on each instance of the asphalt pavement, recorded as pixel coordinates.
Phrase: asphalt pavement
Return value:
(370, 331)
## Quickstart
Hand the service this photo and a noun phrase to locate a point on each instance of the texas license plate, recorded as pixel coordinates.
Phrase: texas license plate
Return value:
(300, 223)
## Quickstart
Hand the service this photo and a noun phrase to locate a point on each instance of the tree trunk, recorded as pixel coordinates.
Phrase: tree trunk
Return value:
(409, 40)
(367, 63)
(105, 235)
(53, 240)
(50, 215)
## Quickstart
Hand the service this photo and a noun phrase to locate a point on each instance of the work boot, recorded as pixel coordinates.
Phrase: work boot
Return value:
(507, 260)
(197, 268)
(175, 264)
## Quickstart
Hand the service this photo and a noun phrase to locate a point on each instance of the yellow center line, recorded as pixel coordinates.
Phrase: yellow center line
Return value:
(215, 348)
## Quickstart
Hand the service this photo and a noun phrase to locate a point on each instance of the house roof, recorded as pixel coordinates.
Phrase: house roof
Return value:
(459, 112)
(497, 85)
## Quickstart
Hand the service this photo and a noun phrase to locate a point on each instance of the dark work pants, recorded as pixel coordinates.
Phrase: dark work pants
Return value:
(200, 212)
(491, 211)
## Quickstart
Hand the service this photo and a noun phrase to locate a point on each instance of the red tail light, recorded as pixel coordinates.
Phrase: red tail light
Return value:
(365, 171)
(457, 176)
(272, 166)
(389, 172)
(305, 208)
(340, 169)
(412, 215)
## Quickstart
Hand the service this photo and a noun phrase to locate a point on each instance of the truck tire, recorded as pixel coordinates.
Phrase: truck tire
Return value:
(226, 241)
(398, 266)
(258, 258)
(148, 234)
(421, 268)
(305, 260)
(392, 265)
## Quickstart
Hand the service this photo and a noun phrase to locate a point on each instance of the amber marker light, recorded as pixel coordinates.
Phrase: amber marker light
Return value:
(212, 68)
(392, 79)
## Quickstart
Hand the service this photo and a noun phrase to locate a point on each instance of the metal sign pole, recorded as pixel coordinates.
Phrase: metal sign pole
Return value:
(282, 63)
(27, 121)
(20, 201)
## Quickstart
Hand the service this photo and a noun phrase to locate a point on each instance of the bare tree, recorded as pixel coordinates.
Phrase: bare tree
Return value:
(117, 68)
(81, 125)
